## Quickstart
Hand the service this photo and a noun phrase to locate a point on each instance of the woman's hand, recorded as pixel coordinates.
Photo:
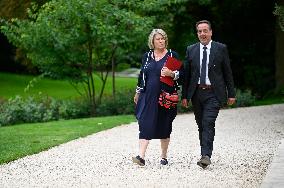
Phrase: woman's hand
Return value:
(167, 72)
(136, 97)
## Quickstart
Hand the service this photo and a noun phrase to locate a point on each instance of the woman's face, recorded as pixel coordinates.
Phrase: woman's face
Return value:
(159, 42)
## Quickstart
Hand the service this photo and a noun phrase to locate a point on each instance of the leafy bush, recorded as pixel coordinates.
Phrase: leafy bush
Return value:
(2, 101)
(41, 109)
(71, 109)
(122, 104)
(244, 98)
(32, 109)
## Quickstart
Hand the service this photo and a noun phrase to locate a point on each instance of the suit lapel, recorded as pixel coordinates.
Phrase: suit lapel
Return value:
(212, 54)
(196, 58)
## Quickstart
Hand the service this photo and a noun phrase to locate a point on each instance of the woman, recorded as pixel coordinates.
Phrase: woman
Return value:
(155, 121)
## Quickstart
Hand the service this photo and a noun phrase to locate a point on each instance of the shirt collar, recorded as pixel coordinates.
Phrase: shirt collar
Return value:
(208, 45)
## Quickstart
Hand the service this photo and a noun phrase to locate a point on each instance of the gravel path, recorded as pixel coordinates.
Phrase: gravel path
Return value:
(245, 142)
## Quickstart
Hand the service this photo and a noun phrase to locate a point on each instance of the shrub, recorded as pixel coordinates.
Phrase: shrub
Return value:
(32, 109)
(244, 98)
(70, 109)
(2, 101)
(12, 111)
(41, 109)
(122, 104)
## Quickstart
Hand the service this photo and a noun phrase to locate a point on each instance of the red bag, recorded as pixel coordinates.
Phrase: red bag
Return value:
(172, 64)
(168, 100)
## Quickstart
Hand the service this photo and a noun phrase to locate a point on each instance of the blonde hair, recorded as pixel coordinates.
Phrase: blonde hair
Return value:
(152, 35)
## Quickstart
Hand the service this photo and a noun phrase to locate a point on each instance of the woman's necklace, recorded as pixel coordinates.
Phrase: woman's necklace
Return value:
(160, 55)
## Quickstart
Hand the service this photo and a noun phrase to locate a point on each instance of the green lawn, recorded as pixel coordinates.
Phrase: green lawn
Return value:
(14, 84)
(26, 139)
(20, 140)
(269, 101)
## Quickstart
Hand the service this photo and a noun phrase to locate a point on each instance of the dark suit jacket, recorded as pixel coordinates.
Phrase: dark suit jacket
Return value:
(219, 72)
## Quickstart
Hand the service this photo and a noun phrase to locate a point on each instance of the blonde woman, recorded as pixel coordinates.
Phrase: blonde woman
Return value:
(155, 121)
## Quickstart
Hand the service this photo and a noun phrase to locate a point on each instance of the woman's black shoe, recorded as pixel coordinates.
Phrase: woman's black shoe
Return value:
(138, 160)
(164, 161)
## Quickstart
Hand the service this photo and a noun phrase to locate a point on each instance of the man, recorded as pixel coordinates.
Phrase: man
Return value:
(208, 84)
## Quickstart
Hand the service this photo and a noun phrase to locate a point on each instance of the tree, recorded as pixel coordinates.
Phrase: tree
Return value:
(12, 58)
(69, 39)
(248, 29)
(279, 55)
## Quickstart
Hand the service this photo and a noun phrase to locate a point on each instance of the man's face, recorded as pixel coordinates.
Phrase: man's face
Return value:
(204, 33)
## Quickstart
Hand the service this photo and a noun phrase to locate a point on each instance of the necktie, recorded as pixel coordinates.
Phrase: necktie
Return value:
(203, 66)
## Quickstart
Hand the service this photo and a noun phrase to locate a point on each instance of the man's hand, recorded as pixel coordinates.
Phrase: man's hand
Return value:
(184, 103)
(231, 101)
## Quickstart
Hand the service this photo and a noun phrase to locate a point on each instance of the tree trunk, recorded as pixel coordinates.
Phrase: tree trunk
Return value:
(279, 55)
(113, 77)
(104, 79)
(113, 70)
(90, 74)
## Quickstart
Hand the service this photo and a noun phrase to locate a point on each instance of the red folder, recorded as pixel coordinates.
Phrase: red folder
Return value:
(172, 64)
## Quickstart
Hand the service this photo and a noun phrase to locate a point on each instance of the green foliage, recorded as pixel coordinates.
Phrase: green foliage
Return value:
(2, 101)
(253, 77)
(279, 11)
(121, 104)
(69, 39)
(71, 109)
(41, 109)
(244, 98)
(272, 97)
(177, 18)
(19, 110)
(122, 66)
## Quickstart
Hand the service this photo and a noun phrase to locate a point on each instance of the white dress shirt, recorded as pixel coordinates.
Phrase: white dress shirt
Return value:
(208, 46)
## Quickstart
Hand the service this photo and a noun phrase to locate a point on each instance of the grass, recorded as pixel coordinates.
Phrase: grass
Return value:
(269, 101)
(14, 84)
(26, 139)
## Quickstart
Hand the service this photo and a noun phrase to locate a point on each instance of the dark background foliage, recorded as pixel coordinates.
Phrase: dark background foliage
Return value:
(247, 27)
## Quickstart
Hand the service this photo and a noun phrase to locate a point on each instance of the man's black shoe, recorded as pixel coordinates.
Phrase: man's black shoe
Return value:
(204, 161)
(138, 160)
(201, 165)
